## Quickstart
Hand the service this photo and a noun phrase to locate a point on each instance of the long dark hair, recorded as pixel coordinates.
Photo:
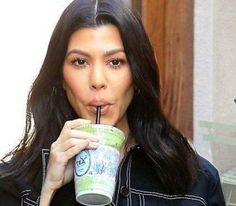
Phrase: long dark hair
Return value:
(48, 108)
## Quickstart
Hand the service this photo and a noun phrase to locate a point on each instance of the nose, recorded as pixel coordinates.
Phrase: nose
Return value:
(98, 78)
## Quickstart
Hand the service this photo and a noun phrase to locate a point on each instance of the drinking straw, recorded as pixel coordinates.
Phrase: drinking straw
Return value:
(98, 114)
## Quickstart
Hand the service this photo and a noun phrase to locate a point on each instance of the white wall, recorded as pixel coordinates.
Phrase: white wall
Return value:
(26, 27)
(203, 70)
(214, 68)
(224, 91)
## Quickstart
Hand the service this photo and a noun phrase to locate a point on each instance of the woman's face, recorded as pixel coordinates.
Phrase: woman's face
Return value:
(96, 73)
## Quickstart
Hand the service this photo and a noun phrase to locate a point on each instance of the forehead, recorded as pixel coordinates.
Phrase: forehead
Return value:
(101, 36)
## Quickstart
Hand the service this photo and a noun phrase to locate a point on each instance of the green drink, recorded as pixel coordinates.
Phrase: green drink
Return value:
(95, 170)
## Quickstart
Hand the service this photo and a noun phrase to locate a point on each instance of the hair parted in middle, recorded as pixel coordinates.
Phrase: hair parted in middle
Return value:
(49, 108)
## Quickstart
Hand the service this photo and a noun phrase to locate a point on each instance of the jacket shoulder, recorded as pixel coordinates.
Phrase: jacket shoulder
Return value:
(209, 170)
(209, 185)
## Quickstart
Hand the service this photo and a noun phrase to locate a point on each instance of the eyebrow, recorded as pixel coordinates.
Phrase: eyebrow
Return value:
(84, 53)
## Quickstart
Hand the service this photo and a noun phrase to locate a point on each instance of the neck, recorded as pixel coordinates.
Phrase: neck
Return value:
(129, 142)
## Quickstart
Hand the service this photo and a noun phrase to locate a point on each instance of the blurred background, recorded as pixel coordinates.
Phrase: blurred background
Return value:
(195, 45)
(26, 27)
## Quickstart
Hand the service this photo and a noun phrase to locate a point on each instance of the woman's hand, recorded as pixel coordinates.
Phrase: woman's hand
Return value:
(61, 162)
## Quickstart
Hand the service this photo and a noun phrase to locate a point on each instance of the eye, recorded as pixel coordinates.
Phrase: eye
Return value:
(79, 62)
(116, 63)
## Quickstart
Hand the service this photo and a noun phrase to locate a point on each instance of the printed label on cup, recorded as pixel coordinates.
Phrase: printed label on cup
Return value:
(104, 159)
(82, 163)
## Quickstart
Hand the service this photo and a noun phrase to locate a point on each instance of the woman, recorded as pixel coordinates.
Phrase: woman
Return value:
(99, 55)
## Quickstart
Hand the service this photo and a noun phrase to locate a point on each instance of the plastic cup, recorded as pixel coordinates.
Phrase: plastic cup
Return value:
(95, 170)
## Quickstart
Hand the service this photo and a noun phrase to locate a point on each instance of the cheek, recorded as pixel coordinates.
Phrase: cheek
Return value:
(128, 83)
(128, 90)
(129, 96)
(69, 79)
(73, 85)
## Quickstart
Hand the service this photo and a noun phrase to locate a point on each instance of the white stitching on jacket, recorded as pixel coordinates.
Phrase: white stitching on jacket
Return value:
(140, 198)
(25, 193)
(170, 197)
(128, 179)
(119, 180)
(32, 202)
(143, 198)
(44, 162)
(25, 201)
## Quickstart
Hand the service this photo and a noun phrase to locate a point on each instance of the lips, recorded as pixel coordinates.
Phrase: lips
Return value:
(105, 106)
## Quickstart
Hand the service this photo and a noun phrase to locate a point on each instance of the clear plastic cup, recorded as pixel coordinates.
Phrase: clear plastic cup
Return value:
(95, 170)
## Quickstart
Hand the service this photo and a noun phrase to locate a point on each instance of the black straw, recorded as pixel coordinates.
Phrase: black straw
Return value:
(98, 114)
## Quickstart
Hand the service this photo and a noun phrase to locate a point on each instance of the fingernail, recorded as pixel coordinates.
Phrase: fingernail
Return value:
(93, 145)
(87, 121)
(94, 138)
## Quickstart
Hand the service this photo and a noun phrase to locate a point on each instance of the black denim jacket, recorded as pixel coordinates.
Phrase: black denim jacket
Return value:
(136, 186)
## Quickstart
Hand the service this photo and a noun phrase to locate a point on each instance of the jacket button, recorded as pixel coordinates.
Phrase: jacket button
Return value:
(124, 191)
(139, 147)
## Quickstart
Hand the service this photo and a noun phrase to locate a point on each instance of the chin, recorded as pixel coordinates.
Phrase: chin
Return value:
(108, 121)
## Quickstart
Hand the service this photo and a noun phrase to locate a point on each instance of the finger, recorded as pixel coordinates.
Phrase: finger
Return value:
(58, 165)
(75, 123)
(72, 151)
(74, 133)
(65, 132)
(73, 142)
(63, 152)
